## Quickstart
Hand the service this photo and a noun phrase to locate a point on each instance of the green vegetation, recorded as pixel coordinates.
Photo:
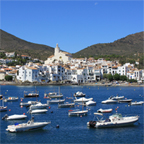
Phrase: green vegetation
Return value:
(8, 78)
(117, 77)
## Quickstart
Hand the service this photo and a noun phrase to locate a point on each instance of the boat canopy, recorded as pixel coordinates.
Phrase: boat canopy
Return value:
(116, 115)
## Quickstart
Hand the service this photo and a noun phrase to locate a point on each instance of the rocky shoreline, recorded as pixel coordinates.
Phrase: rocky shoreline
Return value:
(84, 84)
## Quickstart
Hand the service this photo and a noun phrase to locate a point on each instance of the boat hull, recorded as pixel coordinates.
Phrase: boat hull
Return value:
(66, 105)
(78, 113)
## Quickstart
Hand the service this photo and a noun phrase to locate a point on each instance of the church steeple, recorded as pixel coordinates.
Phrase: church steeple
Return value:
(57, 49)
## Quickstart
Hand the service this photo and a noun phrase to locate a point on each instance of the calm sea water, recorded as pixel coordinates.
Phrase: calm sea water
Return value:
(74, 129)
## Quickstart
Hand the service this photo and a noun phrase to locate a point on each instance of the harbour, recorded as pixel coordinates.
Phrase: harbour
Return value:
(73, 129)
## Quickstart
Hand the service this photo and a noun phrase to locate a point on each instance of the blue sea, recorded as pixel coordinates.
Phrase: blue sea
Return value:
(73, 129)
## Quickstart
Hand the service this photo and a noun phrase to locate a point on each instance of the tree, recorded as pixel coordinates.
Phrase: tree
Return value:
(105, 76)
(123, 78)
(116, 77)
(110, 77)
(8, 78)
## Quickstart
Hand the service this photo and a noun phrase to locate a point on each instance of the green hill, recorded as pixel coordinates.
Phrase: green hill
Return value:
(10, 43)
(126, 46)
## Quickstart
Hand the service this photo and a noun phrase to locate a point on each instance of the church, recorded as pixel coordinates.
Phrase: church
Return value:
(59, 57)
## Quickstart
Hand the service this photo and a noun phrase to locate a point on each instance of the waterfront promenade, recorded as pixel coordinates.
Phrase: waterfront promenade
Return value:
(82, 84)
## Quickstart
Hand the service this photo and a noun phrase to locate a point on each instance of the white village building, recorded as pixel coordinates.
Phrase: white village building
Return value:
(59, 57)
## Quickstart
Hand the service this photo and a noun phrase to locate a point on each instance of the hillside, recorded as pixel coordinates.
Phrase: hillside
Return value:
(10, 43)
(126, 46)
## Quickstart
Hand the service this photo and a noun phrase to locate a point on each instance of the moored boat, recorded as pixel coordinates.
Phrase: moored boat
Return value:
(55, 101)
(125, 100)
(137, 103)
(38, 111)
(30, 125)
(77, 112)
(79, 94)
(115, 120)
(3, 108)
(14, 117)
(90, 103)
(11, 99)
(109, 101)
(83, 99)
(38, 106)
(65, 105)
(32, 94)
(29, 103)
(104, 110)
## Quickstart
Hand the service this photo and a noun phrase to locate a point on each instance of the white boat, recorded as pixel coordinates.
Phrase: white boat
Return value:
(77, 112)
(11, 99)
(117, 97)
(55, 101)
(90, 103)
(28, 103)
(30, 125)
(38, 111)
(14, 117)
(65, 105)
(104, 110)
(79, 94)
(115, 120)
(137, 103)
(53, 94)
(31, 95)
(125, 100)
(83, 99)
(3, 108)
(38, 106)
(109, 101)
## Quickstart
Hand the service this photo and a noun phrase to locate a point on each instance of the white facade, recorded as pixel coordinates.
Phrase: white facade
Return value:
(59, 57)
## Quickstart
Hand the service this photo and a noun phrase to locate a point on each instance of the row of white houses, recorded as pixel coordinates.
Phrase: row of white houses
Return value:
(45, 73)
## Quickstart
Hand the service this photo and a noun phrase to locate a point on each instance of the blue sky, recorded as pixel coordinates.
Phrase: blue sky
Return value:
(74, 25)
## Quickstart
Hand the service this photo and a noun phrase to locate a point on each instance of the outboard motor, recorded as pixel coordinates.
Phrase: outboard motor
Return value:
(92, 123)
(5, 116)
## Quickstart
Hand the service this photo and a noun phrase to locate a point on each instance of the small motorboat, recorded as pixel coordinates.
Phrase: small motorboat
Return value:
(109, 101)
(38, 111)
(90, 103)
(65, 105)
(79, 94)
(11, 99)
(38, 106)
(29, 103)
(104, 110)
(32, 94)
(55, 101)
(137, 103)
(30, 125)
(125, 100)
(115, 120)
(3, 108)
(83, 99)
(77, 112)
(14, 117)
